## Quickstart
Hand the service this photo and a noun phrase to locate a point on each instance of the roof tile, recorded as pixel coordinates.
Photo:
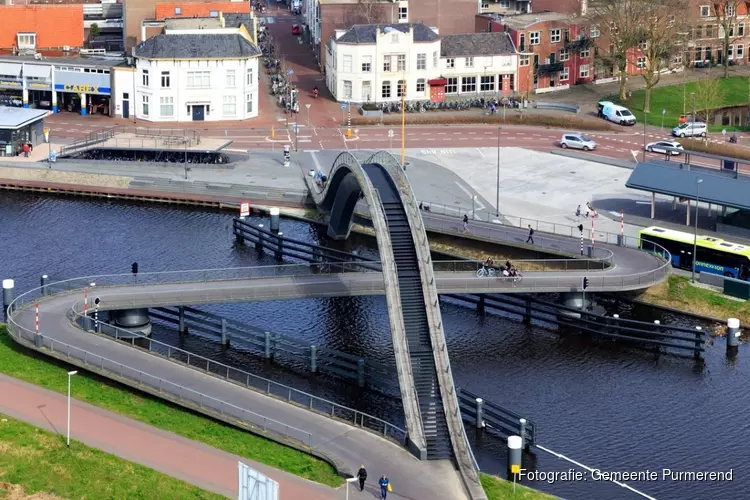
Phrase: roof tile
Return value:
(54, 25)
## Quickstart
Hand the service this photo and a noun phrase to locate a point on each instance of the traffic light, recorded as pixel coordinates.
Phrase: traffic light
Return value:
(585, 283)
(134, 268)
(580, 227)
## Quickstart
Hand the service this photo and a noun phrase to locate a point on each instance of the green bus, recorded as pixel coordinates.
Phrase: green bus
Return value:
(713, 255)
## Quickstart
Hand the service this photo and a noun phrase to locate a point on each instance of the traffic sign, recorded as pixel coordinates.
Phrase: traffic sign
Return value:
(53, 156)
(343, 105)
(46, 134)
(244, 209)
(664, 111)
(308, 106)
(291, 72)
(390, 132)
(723, 131)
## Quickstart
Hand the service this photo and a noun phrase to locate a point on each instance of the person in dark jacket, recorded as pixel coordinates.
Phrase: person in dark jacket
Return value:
(531, 235)
(384, 482)
(362, 476)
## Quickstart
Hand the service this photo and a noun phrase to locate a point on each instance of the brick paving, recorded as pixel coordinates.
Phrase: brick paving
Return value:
(193, 462)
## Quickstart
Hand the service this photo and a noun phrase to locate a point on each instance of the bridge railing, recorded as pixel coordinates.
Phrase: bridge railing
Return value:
(524, 265)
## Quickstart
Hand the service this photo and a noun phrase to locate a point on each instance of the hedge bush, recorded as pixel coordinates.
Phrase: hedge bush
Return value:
(532, 119)
(723, 149)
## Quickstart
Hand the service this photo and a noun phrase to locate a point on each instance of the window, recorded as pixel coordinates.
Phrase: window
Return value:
(741, 29)
(740, 52)
(730, 11)
(177, 11)
(450, 63)
(421, 61)
(730, 52)
(403, 13)
(166, 81)
(401, 88)
(564, 75)
(347, 67)
(249, 103)
(213, 13)
(641, 63)
(523, 61)
(469, 84)
(394, 38)
(26, 40)
(144, 78)
(435, 59)
(705, 10)
(231, 80)
(230, 105)
(670, 20)
(584, 71)
(534, 38)
(386, 90)
(585, 53)
(145, 105)
(249, 76)
(401, 62)
(198, 79)
(366, 64)
(595, 31)
(709, 31)
(564, 55)
(554, 36)
(387, 64)
(166, 106)
(347, 89)
(521, 42)
(420, 86)
(642, 45)
(487, 83)
(469, 62)
(451, 86)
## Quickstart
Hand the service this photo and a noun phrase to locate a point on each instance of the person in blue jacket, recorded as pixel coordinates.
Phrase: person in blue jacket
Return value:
(384, 482)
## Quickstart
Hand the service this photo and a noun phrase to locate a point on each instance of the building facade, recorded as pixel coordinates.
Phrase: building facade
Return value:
(704, 43)
(190, 73)
(28, 29)
(375, 63)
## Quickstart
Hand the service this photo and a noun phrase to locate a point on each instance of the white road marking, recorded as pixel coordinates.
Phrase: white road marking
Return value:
(480, 152)
(479, 205)
(310, 150)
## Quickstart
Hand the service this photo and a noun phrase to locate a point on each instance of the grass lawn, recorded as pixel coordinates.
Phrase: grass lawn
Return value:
(678, 293)
(735, 91)
(500, 489)
(42, 371)
(40, 462)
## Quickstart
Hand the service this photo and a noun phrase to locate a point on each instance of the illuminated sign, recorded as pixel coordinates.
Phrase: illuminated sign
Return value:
(83, 89)
(44, 86)
(10, 83)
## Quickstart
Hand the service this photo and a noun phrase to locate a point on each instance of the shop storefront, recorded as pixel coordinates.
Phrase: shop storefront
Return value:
(88, 93)
(19, 126)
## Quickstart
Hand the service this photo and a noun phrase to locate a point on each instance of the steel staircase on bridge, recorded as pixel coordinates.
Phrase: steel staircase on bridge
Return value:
(417, 329)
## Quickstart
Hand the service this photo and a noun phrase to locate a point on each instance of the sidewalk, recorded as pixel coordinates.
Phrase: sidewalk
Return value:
(193, 462)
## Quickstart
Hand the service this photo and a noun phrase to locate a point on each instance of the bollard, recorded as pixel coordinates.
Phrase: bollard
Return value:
(480, 413)
(615, 321)
(181, 311)
(515, 448)
(279, 253)
(620, 241)
(259, 243)
(274, 219)
(527, 314)
(522, 424)
(267, 352)
(698, 340)
(7, 296)
(44, 280)
(480, 304)
(314, 358)
(224, 340)
(733, 335)
(361, 372)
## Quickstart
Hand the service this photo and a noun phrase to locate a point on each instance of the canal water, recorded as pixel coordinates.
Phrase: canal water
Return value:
(609, 408)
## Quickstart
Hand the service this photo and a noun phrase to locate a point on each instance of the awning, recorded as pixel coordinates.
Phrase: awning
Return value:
(438, 81)
(37, 71)
(10, 69)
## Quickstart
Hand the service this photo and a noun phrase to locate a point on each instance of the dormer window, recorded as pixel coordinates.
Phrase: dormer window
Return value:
(214, 13)
(178, 11)
(27, 40)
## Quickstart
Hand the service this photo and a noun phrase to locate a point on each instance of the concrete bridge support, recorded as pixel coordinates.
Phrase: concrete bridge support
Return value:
(574, 300)
(134, 320)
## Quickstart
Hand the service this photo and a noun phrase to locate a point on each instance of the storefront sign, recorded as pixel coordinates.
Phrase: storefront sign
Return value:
(506, 85)
(83, 89)
(38, 86)
(14, 84)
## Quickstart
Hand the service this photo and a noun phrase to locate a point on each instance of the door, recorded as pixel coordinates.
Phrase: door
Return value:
(198, 113)
(125, 105)
(366, 92)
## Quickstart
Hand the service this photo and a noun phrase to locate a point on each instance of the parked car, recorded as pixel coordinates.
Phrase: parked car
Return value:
(577, 141)
(295, 30)
(617, 114)
(690, 129)
(662, 147)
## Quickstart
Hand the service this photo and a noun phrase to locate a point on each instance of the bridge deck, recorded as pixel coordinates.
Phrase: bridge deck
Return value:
(345, 445)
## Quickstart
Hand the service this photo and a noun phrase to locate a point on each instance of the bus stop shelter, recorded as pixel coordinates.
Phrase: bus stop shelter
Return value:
(717, 186)
(19, 126)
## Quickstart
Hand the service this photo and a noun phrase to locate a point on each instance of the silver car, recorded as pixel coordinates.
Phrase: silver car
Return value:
(664, 147)
(577, 141)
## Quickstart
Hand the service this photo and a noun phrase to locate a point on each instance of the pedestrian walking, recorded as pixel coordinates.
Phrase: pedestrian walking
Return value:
(362, 476)
(26, 149)
(385, 486)
(466, 223)
(531, 235)
(578, 212)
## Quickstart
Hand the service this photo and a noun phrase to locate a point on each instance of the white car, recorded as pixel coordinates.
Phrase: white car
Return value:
(577, 141)
(662, 147)
(690, 129)
(617, 114)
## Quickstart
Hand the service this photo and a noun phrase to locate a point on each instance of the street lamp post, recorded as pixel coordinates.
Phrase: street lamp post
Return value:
(645, 118)
(70, 375)
(695, 232)
(497, 201)
(693, 94)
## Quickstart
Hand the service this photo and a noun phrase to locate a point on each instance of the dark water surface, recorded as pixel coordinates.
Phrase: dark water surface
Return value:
(609, 408)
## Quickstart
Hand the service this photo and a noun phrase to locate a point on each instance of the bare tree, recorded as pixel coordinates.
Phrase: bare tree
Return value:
(725, 15)
(372, 12)
(618, 22)
(658, 35)
(709, 97)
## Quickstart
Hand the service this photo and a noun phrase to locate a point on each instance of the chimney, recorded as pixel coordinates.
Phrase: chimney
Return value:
(584, 7)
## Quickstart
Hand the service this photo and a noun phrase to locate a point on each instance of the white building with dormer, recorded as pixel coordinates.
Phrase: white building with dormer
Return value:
(376, 63)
